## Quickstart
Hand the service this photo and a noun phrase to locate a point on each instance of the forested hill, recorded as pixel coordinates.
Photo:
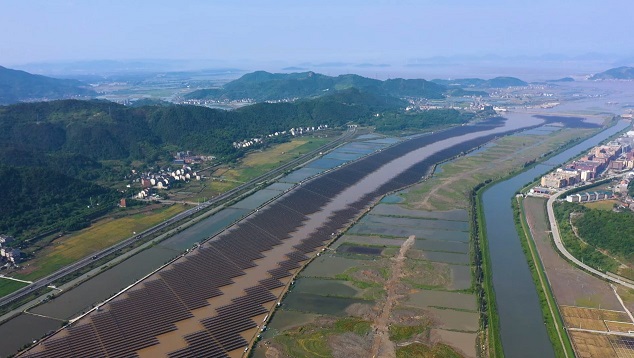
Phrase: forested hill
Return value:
(100, 130)
(265, 86)
(619, 73)
(36, 199)
(19, 86)
(52, 153)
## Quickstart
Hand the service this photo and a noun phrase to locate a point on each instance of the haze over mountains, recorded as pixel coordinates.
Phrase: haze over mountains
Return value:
(19, 86)
(264, 86)
(619, 73)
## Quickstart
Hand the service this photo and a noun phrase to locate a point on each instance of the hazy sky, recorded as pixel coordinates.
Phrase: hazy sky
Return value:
(294, 31)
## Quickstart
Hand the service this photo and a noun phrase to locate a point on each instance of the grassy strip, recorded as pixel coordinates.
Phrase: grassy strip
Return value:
(400, 333)
(312, 341)
(552, 317)
(489, 319)
(97, 237)
(424, 351)
(8, 286)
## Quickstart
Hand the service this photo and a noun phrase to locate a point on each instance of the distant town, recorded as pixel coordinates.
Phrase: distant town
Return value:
(615, 157)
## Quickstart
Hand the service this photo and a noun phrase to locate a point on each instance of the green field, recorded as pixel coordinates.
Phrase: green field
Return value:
(448, 188)
(420, 350)
(312, 341)
(602, 205)
(98, 236)
(258, 163)
(227, 177)
(8, 286)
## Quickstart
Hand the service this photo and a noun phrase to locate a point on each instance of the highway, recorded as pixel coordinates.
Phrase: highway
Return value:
(562, 249)
(48, 280)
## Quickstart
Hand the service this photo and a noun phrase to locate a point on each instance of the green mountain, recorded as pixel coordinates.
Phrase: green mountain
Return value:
(37, 199)
(55, 156)
(94, 130)
(497, 82)
(264, 86)
(619, 73)
(19, 86)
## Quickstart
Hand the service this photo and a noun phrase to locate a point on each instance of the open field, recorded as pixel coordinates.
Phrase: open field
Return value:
(227, 177)
(588, 345)
(98, 236)
(580, 295)
(592, 319)
(448, 189)
(258, 163)
(431, 290)
(361, 266)
(602, 205)
(570, 285)
(8, 286)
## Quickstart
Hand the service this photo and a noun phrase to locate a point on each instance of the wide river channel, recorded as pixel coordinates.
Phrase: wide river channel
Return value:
(510, 270)
(522, 327)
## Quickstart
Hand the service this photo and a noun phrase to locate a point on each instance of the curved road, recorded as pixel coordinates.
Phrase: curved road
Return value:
(562, 249)
(46, 281)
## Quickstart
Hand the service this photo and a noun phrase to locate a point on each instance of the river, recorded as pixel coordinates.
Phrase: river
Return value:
(522, 327)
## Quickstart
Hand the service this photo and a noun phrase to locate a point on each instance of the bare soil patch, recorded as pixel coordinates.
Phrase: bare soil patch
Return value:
(570, 285)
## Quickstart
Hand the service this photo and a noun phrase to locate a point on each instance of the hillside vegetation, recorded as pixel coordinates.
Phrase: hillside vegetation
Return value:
(100, 130)
(17, 86)
(264, 86)
(618, 73)
(608, 230)
(36, 199)
(586, 251)
(58, 157)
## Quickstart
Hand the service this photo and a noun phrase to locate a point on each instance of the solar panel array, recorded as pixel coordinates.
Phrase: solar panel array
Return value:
(134, 320)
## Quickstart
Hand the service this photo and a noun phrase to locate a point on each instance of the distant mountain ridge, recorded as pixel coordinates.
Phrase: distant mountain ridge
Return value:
(497, 82)
(19, 86)
(618, 73)
(266, 86)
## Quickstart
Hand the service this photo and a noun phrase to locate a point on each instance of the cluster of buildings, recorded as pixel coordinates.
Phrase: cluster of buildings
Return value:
(293, 132)
(616, 155)
(7, 253)
(589, 196)
(187, 157)
(164, 179)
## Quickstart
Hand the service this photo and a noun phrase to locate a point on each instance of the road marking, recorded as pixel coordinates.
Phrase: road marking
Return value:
(562, 249)
(622, 304)
(43, 316)
(15, 279)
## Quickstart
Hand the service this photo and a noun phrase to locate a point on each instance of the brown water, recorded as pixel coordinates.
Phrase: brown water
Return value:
(371, 183)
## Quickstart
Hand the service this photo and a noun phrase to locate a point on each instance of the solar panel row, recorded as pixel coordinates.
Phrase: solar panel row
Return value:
(133, 321)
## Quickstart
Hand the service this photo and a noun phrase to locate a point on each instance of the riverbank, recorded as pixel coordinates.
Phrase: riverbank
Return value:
(522, 330)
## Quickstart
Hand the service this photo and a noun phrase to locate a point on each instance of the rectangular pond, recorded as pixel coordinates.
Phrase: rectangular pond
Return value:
(446, 246)
(204, 229)
(416, 223)
(257, 199)
(80, 299)
(14, 331)
(311, 303)
(456, 300)
(444, 235)
(329, 266)
(300, 175)
(397, 210)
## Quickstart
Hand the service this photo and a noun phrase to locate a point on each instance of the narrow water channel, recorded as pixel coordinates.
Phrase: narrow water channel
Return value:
(522, 327)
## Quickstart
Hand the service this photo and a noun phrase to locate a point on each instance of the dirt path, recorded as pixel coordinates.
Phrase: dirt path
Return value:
(542, 280)
(462, 175)
(381, 345)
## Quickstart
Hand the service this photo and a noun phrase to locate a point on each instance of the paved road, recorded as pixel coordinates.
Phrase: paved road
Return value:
(562, 249)
(48, 280)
